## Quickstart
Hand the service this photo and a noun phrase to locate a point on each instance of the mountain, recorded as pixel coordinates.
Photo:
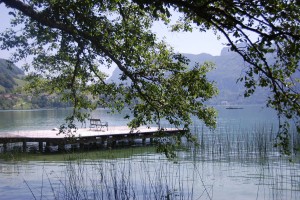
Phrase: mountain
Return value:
(10, 76)
(229, 66)
(13, 96)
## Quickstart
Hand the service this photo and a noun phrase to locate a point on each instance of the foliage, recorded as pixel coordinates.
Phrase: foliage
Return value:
(228, 68)
(72, 41)
(257, 30)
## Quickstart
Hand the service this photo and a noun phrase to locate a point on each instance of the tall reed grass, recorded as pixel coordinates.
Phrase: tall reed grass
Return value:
(238, 143)
(152, 176)
(125, 179)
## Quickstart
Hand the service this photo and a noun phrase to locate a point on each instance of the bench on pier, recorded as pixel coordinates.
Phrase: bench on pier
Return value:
(97, 123)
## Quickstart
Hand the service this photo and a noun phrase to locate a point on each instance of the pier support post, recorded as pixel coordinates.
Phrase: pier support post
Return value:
(4, 147)
(102, 142)
(110, 141)
(61, 147)
(131, 140)
(24, 146)
(81, 145)
(113, 142)
(41, 144)
(47, 147)
(94, 145)
(144, 141)
(151, 140)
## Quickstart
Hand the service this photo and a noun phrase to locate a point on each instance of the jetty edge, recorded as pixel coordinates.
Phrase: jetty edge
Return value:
(82, 137)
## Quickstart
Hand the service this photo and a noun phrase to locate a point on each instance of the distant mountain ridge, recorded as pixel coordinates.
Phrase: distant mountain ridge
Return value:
(229, 67)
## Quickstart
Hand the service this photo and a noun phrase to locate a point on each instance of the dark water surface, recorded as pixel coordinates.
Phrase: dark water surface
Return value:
(228, 165)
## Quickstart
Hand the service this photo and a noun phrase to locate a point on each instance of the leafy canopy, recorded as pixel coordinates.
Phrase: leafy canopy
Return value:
(72, 41)
(265, 33)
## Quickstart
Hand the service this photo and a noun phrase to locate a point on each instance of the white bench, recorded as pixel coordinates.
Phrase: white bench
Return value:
(96, 123)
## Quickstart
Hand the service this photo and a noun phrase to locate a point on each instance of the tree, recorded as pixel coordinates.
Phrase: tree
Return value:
(70, 39)
(275, 29)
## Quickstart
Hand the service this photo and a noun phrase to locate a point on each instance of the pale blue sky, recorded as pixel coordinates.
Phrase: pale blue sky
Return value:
(194, 43)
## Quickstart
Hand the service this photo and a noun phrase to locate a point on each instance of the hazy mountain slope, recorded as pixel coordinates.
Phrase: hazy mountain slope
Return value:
(12, 95)
(10, 76)
(229, 67)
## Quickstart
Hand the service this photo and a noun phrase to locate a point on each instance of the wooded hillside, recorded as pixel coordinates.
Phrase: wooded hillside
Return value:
(10, 76)
(12, 94)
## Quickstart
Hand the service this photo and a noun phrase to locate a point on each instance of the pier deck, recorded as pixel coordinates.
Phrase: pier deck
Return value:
(83, 136)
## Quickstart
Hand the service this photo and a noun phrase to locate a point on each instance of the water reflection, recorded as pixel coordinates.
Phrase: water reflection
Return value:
(31, 119)
(150, 176)
(13, 120)
(47, 119)
(236, 161)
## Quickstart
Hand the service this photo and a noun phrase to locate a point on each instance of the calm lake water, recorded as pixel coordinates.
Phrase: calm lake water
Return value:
(235, 161)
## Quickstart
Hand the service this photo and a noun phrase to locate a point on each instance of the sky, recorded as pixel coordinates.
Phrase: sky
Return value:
(193, 43)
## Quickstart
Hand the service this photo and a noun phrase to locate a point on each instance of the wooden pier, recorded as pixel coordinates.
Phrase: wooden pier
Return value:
(82, 137)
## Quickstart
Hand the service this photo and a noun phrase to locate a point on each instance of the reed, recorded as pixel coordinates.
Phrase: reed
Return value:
(237, 143)
(124, 180)
(151, 176)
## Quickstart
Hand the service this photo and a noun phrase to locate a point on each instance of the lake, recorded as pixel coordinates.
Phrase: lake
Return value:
(235, 161)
